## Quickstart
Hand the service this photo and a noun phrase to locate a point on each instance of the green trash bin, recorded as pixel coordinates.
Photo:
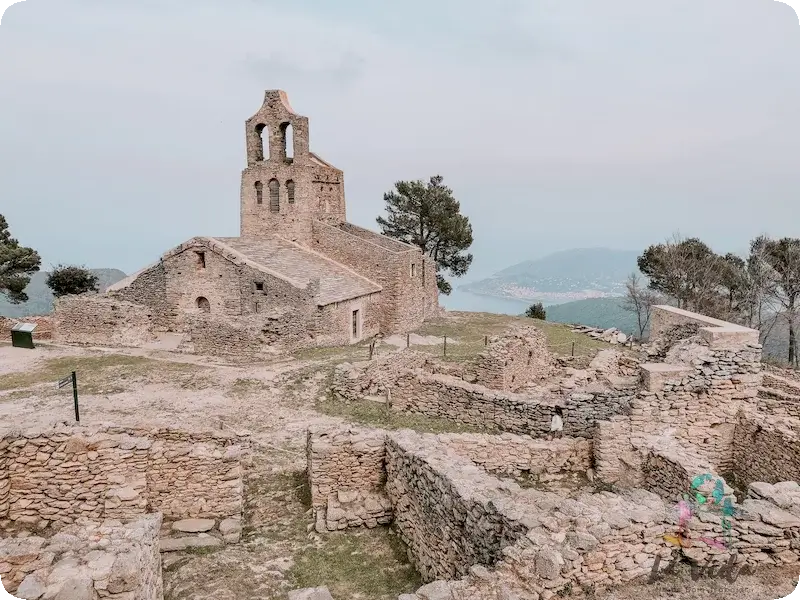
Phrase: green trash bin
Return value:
(22, 335)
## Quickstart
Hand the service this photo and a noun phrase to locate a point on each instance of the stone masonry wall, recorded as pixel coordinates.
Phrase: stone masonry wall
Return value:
(694, 397)
(58, 475)
(353, 382)
(509, 454)
(148, 287)
(766, 449)
(451, 398)
(86, 561)
(595, 539)
(100, 320)
(447, 510)
(347, 474)
(513, 360)
(407, 295)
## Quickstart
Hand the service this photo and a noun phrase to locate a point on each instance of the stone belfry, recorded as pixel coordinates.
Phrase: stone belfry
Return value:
(285, 186)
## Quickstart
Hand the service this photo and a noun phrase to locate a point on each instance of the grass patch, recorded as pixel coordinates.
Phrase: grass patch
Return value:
(375, 414)
(104, 373)
(358, 564)
(471, 331)
(245, 387)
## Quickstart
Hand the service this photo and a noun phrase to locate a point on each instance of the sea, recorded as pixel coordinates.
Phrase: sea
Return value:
(461, 300)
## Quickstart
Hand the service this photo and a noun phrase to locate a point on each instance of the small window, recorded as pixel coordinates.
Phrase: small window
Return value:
(290, 191)
(259, 286)
(201, 260)
(259, 192)
(423, 271)
(355, 324)
(274, 196)
(258, 307)
(203, 304)
(413, 270)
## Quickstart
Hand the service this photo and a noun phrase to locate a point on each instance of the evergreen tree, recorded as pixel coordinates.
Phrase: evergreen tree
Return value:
(17, 264)
(429, 217)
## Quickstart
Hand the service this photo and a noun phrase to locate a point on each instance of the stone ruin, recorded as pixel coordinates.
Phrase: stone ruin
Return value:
(693, 414)
(86, 511)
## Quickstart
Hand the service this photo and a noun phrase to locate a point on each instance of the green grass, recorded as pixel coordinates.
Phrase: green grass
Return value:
(375, 414)
(99, 373)
(358, 564)
(471, 330)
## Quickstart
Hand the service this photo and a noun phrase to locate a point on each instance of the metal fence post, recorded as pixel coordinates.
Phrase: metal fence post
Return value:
(75, 395)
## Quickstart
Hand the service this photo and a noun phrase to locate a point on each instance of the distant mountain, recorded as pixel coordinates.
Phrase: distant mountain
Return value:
(40, 298)
(562, 277)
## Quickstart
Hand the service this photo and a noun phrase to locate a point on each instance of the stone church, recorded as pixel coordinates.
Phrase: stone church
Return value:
(299, 275)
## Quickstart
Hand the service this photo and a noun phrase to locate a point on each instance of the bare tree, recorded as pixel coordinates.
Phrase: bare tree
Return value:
(761, 307)
(686, 271)
(782, 258)
(639, 300)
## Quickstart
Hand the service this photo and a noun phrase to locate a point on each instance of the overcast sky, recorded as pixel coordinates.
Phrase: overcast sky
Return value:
(558, 123)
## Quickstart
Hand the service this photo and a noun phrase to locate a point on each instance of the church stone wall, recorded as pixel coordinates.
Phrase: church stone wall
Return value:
(93, 319)
(406, 298)
(148, 288)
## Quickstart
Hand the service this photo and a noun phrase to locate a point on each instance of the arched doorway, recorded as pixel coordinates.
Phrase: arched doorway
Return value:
(203, 304)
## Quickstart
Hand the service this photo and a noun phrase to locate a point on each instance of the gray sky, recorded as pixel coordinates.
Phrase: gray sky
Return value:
(558, 123)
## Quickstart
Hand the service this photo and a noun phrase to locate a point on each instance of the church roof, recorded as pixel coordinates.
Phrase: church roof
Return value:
(300, 266)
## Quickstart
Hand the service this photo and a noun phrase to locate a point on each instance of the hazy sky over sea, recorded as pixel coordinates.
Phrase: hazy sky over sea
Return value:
(559, 124)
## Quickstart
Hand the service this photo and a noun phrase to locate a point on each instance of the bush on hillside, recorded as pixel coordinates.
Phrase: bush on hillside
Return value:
(536, 311)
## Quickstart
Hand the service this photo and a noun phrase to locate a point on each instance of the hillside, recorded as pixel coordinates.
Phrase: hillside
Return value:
(608, 312)
(562, 277)
(40, 298)
(597, 312)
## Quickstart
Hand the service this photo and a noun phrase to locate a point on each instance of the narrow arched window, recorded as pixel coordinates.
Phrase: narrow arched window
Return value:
(259, 192)
(203, 304)
(262, 153)
(290, 191)
(274, 196)
(287, 140)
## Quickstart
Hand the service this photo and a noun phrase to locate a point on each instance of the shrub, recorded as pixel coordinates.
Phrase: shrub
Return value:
(536, 311)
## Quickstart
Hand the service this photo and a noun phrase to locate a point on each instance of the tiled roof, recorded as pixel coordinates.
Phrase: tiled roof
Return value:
(300, 265)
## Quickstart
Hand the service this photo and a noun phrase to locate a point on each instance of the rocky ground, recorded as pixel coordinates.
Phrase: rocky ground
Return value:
(274, 402)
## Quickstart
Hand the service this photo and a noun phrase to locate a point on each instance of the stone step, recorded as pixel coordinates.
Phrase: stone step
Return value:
(768, 392)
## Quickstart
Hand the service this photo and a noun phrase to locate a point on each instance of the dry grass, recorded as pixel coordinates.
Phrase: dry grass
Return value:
(103, 373)
(471, 331)
(375, 414)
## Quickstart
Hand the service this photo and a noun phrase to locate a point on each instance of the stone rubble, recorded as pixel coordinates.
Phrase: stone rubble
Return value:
(85, 561)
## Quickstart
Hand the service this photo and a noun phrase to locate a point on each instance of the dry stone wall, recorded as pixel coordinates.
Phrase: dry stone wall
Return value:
(56, 476)
(766, 449)
(694, 397)
(86, 561)
(347, 475)
(509, 454)
(94, 319)
(597, 539)
(448, 511)
(449, 397)
(513, 360)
